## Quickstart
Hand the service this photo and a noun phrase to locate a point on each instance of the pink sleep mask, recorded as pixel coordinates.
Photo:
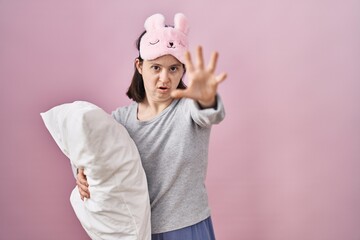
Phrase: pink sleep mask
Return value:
(160, 40)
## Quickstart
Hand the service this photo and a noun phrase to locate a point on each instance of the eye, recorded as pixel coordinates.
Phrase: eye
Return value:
(154, 42)
(173, 68)
(155, 67)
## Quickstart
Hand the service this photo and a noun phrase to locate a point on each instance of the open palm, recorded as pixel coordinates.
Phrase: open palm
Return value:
(202, 82)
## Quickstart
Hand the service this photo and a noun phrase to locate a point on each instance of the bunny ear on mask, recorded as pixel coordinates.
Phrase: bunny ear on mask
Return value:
(181, 23)
(155, 21)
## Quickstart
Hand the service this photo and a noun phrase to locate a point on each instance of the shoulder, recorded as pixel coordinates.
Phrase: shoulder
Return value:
(121, 114)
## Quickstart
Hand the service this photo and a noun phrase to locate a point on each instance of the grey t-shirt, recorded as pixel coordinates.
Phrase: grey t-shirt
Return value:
(174, 152)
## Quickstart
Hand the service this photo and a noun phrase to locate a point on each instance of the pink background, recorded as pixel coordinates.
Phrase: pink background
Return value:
(285, 163)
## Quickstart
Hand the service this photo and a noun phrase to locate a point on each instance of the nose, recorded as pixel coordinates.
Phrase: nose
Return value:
(164, 76)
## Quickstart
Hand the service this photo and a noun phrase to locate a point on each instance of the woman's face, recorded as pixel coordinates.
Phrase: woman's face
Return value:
(161, 76)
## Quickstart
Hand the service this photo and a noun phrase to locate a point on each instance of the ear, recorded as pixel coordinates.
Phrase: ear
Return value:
(181, 23)
(154, 22)
(138, 65)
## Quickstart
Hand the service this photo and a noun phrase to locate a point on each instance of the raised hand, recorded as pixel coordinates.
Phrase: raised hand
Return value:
(202, 82)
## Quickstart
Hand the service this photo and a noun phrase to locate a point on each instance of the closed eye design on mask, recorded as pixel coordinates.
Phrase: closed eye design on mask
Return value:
(155, 42)
(180, 43)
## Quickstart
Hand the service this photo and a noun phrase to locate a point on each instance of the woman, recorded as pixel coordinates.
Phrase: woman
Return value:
(171, 124)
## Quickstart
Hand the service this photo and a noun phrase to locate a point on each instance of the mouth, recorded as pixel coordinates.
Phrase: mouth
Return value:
(163, 88)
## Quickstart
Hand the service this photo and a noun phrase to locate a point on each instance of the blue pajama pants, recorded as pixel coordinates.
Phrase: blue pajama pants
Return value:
(199, 231)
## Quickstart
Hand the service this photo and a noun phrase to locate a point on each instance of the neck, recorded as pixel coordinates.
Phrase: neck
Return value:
(148, 110)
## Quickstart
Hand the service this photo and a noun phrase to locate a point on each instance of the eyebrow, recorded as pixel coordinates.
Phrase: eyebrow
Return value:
(172, 65)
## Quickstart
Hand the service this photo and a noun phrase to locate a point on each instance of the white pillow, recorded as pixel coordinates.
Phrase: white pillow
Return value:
(119, 205)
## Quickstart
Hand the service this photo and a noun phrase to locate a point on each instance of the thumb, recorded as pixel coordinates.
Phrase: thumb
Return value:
(178, 93)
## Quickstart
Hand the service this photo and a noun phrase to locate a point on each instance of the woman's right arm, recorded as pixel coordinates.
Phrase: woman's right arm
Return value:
(82, 184)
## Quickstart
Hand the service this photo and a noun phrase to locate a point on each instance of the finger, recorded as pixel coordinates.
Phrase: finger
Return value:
(188, 62)
(82, 186)
(83, 181)
(81, 177)
(178, 93)
(213, 61)
(83, 192)
(84, 195)
(200, 58)
(221, 77)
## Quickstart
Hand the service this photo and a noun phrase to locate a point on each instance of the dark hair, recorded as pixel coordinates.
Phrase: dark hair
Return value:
(136, 89)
